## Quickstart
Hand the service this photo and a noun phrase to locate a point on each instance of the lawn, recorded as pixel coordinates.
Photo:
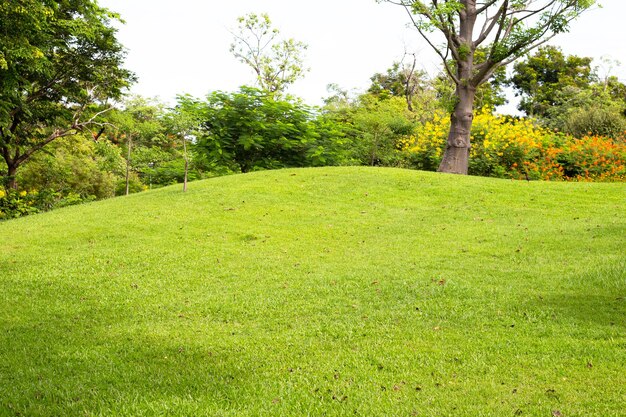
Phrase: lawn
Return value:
(320, 292)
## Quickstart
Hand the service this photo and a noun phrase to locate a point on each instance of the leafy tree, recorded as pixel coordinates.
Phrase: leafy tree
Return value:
(277, 63)
(589, 111)
(77, 167)
(507, 29)
(594, 120)
(252, 129)
(489, 95)
(376, 125)
(182, 124)
(541, 78)
(59, 60)
(380, 126)
(150, 142)
(566, 93)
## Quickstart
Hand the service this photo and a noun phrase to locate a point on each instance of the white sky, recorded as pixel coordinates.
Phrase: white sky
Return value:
(182, 46)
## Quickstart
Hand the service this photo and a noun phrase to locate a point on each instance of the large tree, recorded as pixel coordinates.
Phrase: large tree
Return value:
(59, 62)
(505, 29)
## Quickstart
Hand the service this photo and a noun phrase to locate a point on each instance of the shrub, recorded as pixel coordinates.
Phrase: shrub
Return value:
(593, 158)
(595, 121)
(425, 148)
(15, 204)
(507, 147)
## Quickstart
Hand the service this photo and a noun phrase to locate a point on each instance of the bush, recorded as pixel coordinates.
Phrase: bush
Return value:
(506, 147)
(425, 148)
(71, 166)
(595, 121)
(251, 129)
(15, 204)
(592, 158)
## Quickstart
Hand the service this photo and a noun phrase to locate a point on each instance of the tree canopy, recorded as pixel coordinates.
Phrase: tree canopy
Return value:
(565, 92)
(539, 78)
(252, 129)
(59, 60)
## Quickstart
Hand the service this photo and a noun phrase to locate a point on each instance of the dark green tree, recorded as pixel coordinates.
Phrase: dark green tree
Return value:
(254, 129)
(379, 127)
(59, 63)
(565, 93)
(138, 128)
(152, 140)
(542, 77)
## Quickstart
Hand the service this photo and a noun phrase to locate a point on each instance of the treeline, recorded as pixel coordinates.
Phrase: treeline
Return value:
(69, 135)
(574, 131)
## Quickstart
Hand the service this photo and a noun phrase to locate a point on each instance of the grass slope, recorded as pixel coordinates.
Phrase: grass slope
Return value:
(335, 291)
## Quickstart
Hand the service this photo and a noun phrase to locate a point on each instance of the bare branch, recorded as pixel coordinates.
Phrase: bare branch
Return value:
(444, 57)
(485, 6)
(498, 18)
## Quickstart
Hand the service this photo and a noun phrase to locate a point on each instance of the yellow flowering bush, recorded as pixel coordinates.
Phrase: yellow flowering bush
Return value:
(425, 148)
(500, 144)
(16, 204)
(507, 147)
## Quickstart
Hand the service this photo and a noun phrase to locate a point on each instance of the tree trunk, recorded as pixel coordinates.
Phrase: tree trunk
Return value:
(186, 166)
(130, 144)
(456, 156)
(11, 182)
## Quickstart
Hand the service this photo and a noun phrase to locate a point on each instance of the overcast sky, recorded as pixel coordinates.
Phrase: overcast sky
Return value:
(182, 46)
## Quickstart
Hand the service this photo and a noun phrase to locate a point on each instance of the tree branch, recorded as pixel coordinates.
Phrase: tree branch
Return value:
(444, 57)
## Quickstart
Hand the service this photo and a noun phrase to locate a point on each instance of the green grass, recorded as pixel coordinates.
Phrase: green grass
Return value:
(320, 292)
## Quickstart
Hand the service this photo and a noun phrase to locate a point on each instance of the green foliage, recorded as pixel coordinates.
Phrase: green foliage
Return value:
(69, 171)
(14, 204)
(378, 128)
(169, 172)
(252, 129)
(59, 59)
(542, 77)
(155, 140)
(566, 94)
(594, 110)
(595, 120)
(421, 94)
(70, 166)
(135, 185)
(139, 120)
(94, 165)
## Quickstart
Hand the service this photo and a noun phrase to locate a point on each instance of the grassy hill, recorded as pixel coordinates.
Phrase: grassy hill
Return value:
(334, 291)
